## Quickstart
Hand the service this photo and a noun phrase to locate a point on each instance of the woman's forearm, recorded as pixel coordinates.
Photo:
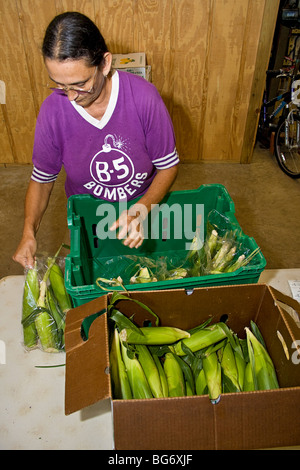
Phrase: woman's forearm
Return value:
(158, 188)
(36, 202)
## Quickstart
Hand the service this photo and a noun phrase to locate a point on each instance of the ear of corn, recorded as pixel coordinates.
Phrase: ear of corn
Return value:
(249, 385)
(138, 382)
(153, 336)
(44, 321)
(187, 373)
(175, 378)
(162, 375)
(113, 365)
(30, 299)
(120, 381)
(263, 369)
(200, 339)
(189, 391)
(201, 383)
(241, 365)
(150, 369)
(58, 316)
(47, 332)
(57, 282)
(212, 370)
(229, 368)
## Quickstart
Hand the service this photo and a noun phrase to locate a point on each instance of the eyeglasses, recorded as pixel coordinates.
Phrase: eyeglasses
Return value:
(65, 89)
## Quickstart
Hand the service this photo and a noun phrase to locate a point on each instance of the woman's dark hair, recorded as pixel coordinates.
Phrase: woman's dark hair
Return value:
(73, 35)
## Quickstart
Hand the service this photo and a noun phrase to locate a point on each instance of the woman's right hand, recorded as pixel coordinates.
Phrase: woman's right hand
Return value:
(25, 252)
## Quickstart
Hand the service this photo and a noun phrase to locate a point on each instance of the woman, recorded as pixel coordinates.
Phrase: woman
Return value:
(110, 131)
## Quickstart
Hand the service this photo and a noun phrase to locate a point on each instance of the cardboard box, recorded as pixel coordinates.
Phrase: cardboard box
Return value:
(134, 62)
(247, 420)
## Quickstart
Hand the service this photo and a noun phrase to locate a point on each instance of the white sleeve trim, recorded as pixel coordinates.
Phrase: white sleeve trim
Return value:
(42, 177)
(167, 161)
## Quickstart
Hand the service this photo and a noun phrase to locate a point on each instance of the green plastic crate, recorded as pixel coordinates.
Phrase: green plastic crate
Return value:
(167, 236)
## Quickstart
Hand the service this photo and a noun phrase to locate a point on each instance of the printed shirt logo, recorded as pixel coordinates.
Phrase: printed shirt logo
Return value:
(113, 172)
(111, 166)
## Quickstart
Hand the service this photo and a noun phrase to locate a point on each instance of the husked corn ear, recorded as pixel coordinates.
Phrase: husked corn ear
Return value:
(212, 370)
(150, 370)
(174, 374)
(263, 370)
(200, 339)
(153, 335)
(138, 382)
(30, 299)
(229, 367)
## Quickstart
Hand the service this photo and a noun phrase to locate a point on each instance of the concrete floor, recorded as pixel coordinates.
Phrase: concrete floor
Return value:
(267, 204)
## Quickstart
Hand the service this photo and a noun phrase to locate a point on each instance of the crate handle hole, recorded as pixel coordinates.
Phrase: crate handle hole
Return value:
(147, 323)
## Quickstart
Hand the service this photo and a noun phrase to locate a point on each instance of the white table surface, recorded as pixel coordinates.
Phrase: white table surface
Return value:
(32, 399)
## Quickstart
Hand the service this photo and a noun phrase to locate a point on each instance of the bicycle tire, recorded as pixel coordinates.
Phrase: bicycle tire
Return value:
(288, 159)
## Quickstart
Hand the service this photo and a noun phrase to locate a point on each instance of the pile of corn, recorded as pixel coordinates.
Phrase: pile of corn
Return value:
(219, 254)
(157, 361)
(45, 304)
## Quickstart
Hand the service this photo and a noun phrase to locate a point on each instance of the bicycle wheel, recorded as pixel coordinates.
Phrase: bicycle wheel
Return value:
(288, 156)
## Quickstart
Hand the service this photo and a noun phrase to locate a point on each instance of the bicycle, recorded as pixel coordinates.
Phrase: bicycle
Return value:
(287, 128)
(287, 134)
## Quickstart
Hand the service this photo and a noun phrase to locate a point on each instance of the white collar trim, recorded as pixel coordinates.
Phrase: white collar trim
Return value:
(110, 108)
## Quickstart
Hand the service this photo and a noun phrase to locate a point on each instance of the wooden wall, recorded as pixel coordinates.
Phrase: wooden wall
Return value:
(208, 61)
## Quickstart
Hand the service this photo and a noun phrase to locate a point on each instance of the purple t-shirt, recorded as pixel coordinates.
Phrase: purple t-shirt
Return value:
(115, 158)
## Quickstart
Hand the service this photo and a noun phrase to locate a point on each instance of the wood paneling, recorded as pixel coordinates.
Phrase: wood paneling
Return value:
(208, 62)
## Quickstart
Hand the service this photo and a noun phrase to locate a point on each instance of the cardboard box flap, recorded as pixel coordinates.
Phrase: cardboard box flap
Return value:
(291, 307)
(87, 356)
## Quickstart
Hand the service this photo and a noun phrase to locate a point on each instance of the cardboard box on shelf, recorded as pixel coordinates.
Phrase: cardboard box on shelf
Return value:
(134, 62)
(245, 420)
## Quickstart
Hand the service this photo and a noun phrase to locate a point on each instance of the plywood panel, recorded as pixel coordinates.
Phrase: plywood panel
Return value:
(191, 41)
(6, 143)
(245, 77)
(115, 19)
(20, 116)
(208, 62)
(33, 23)
(229, 21)
(258, 78)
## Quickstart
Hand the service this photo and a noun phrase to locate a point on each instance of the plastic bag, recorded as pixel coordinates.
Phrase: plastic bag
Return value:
(133, 269)
(223, 250)
(45, 304)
